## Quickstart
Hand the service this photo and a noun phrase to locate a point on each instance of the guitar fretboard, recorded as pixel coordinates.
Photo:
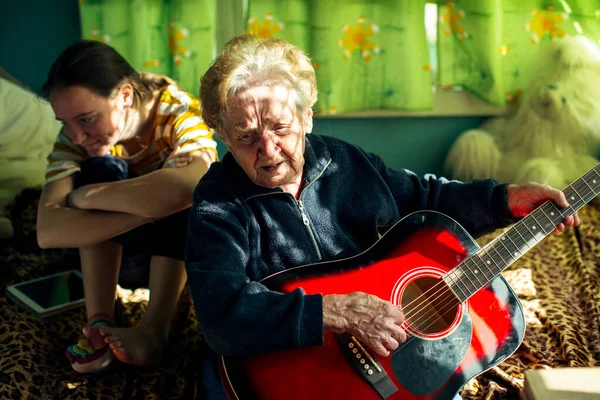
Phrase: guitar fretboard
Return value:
(483, 266)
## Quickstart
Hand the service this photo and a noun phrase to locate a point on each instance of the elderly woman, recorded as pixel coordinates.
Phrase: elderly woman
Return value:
(281, 198)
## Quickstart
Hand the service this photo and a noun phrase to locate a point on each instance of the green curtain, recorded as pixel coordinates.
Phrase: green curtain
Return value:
(170, 37)
(489, 46)
(368, 55)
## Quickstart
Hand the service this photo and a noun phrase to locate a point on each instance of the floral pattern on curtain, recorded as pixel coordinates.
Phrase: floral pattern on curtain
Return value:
(170, 37)
(368, 55)
(489, 46)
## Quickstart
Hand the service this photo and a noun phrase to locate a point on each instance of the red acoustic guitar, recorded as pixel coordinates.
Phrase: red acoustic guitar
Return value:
(461, 316)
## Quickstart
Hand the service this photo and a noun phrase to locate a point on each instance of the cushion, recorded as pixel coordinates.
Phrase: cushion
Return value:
(27, 132)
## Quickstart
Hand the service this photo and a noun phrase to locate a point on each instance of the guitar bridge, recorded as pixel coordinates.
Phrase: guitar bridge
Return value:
(365, 365)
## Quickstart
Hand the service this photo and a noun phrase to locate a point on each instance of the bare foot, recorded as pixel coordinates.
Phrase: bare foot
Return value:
(137, 346)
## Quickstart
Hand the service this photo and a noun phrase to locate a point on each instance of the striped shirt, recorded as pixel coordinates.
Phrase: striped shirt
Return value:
(178, 124)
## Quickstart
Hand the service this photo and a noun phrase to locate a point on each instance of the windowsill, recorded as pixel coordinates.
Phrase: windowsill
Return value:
(448, 103)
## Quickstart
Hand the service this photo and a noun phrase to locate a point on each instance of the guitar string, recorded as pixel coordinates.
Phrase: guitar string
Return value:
(452, 296)
(411, 338)
(447, 296)
(563, 213)
(443, 288)
(441, 294)
(442, 285)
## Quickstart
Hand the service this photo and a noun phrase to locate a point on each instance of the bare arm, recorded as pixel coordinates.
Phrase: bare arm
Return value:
(154, 195)
(64, 227)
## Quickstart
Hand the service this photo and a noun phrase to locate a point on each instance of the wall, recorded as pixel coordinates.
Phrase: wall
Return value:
(33, 32)
(419, 144)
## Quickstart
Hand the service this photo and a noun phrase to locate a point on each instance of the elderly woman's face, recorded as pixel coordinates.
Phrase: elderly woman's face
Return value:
(266, 136)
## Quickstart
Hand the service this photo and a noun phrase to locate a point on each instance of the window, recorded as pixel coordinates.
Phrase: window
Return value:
(232, 19)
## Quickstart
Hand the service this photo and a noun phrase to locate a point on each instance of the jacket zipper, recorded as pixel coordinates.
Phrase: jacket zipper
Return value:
(306, 223)
(305, 217)
(305, 220)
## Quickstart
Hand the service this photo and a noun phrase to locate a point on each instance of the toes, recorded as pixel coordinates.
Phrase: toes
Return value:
(119, 351)
(115, 344)
(110, 339)
(95, 338)
(104, 330)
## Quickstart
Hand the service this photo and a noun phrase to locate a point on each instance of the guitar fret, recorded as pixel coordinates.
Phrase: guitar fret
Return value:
(499, 255)
(465, 273)
(548, 218)
(571, 200)
(493, 260)
(534, 227)
(476, 272)
(554, 210)
(594, 181)
(566, 212)
(539, 223)
(516, 247)
(490, 274)
(588, 193)
(589, 187)
(519, 233)
(484, 265)
(582, 186)
(505, 249)
(455, 285)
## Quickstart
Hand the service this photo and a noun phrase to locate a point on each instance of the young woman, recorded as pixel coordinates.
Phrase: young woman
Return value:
(120, 181)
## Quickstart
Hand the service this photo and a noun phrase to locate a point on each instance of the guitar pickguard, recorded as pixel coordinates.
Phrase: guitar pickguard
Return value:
(423, 366)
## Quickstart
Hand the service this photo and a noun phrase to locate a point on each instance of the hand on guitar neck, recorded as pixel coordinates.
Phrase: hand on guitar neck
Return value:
(373, 321)
(378, 323)
(523, 199)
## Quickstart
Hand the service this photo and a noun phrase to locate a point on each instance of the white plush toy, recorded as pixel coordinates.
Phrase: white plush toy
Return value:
(554, 135)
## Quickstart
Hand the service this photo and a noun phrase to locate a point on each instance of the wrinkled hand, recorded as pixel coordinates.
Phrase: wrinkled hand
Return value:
(177, 159)
(375, 322)
(523, 199)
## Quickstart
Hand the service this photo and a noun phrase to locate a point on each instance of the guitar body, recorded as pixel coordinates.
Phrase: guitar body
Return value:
(449, 342)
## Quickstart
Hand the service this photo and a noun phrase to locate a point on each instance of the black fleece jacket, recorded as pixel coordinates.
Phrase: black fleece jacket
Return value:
(240, 233)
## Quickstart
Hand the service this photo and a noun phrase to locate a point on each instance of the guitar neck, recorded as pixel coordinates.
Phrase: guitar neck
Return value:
(483, 266)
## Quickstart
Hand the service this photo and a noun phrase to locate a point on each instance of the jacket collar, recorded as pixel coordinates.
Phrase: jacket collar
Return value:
(316, 160)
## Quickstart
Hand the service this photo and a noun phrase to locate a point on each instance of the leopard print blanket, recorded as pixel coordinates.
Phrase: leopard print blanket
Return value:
(558, 283)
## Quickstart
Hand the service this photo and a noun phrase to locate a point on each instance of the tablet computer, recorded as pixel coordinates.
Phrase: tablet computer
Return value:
(49, 295)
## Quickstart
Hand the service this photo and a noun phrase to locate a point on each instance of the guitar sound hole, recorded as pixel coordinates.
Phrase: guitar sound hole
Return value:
(429, 305)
